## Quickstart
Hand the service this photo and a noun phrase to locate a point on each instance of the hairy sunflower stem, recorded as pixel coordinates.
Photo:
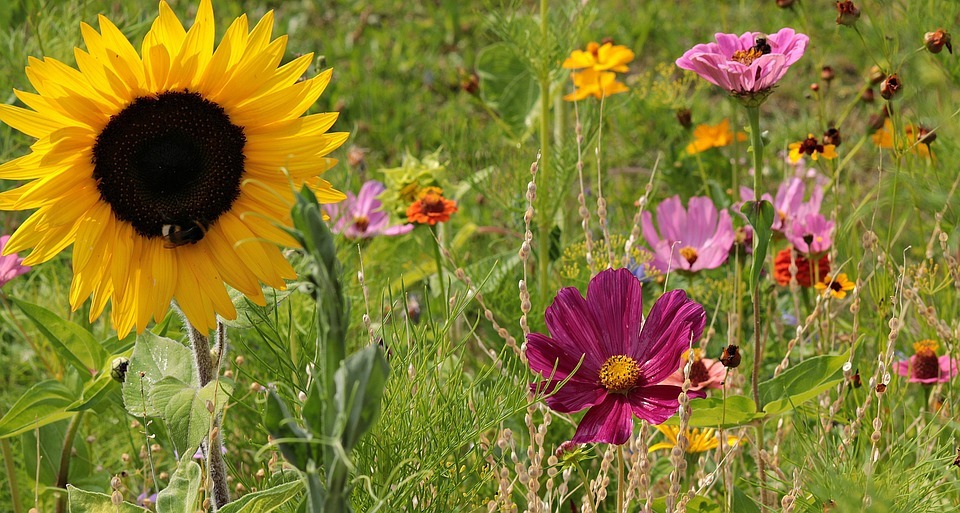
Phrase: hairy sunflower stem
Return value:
(206, 370)
(64, 474)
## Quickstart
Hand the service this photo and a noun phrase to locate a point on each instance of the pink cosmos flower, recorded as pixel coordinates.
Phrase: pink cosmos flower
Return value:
(689, 240)
(789, 203)
(750, 63)
(361, 217)
(704, 372)
(622, 357)
(925, 367)
(811, 234)
(10, 266)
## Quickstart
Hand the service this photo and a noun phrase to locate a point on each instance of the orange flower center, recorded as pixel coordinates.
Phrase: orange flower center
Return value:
(619, 373)
(746, 57)
(361, 223)
(689, 254)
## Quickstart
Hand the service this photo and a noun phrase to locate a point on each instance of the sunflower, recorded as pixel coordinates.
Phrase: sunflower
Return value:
(170, 171)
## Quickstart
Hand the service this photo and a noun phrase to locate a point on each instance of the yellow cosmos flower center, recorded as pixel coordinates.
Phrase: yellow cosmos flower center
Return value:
(747, 57)
(689, 254)
(619, 373)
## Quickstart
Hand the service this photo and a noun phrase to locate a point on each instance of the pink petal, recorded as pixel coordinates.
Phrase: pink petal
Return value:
(366, 201)
(615, 298)
(610, 422)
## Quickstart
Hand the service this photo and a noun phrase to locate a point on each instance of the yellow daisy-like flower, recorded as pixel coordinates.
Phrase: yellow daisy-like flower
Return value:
(698, 440)
(605, 57)
(598, 84)
(170, 171)
(713, 136)
(811, 146)
(917, 139)
(837, 286)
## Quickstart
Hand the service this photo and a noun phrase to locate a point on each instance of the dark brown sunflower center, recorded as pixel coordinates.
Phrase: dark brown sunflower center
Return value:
(173, 159)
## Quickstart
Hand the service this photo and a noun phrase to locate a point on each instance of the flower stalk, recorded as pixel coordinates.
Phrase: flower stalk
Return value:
(543, 233)
(216, 466)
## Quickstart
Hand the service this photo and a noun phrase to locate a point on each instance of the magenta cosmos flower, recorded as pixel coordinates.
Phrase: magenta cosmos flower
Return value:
(691, 239)
(750, 63)
(811, 233)
(361, 217)
(10, 266)
(789, 202)
(926, 367)
(622, 357)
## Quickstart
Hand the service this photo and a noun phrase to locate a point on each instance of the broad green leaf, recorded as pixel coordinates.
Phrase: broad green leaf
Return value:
(696, 505)
(265, 501)
(760, 214)
(359, 390)
(157, 358)
(40, 405)
(73, 343)
(742, 503)
(82, 501)
(180, 495)
(800, 383)
(101, 388)
(738, 410)
(508, 86)
(292, 440)
(185, 408)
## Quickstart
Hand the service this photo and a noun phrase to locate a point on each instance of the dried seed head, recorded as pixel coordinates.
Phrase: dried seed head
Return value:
(847, 13)
(936, 40)
(890, 87)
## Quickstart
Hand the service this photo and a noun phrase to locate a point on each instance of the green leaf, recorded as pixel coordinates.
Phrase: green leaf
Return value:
(184, 408)
(760, 214)
(157, 358)
(509, 87)
(696, 505)
(738, 410)
(94, 392)
(73, 343)
(82, 501)
(265, 501)
(292, 440)
(40, 405)
(741, 503)
(359, 390)
(180, 495)
(800, 383)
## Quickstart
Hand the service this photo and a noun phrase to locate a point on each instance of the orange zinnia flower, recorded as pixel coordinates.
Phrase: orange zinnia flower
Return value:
(431, 207)
(805, 275)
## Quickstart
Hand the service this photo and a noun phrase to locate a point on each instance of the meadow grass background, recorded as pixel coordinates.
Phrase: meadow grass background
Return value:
(399, 73)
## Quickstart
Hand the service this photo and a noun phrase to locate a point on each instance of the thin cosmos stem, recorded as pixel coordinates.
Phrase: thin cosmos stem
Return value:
(439, 259)
(64, 473)
(11, 474)
(543, 232)
(621, 490)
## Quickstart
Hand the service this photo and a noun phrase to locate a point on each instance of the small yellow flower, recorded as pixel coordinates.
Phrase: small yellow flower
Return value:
(811, 146)
(598, 84)
(835, 286)
(698, 440)
(605, 57)
(713, 136)
(883, 138)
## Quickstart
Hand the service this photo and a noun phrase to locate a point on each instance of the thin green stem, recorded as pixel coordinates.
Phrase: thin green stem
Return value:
(64, 474)
(621, 490)
(11, 474)
(586, 487)
(438, 257)
(543, 235)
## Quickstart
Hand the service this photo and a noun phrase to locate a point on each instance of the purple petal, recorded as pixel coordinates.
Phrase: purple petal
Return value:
(550, 359)
(399, 229)
(948, 368)
(701, 221)
(571, 323)
(658, 403)
(615, 297)
(572, 396)
(666, 335)
(610, 422)
(366, 200)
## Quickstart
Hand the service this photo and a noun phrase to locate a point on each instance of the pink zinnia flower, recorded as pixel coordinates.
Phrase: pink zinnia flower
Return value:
(750, 63)
(925, 367)
(361, 217)
(10, 266)
(689, 240)
(789, 203)
(704, 372)
(811, 234)
(621, 364)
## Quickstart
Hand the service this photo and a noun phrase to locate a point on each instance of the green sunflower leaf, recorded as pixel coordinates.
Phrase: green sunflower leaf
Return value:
(156, 358)
(184, 409)
(71, 342)
(82, 501)
(266, 501)
(180, 495)
(40, 405)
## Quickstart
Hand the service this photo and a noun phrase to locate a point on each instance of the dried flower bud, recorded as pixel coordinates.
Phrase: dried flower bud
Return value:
(925, 135)
(783, 4)
(876, 75)
(470, 84)
(855, 380)
(685, 118)
(115, 482)
(239, 360)
(890, 87)
(936, 40)
(847, 13)
(832, 136)
(730, 357)
(814, 87)
(868, 96)
(881, 388)
(827, 74)
(116, 498)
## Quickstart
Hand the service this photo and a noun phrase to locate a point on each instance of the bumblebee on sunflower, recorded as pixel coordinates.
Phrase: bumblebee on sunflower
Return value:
(170, 170)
